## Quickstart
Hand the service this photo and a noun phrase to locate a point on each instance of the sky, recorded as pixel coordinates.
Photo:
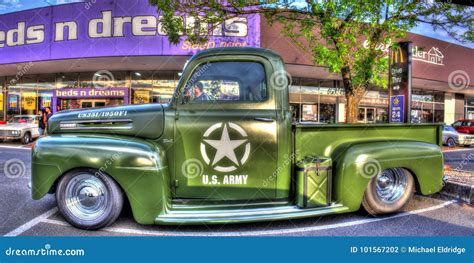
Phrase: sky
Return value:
(8, 6)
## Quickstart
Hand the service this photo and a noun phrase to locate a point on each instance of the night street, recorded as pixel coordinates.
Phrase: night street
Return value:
(425, 216)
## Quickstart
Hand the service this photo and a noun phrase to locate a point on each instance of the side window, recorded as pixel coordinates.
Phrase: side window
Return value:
(220, 82)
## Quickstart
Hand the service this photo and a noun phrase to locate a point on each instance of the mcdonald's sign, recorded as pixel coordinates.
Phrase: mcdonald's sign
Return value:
(398, 55)
(399, 79)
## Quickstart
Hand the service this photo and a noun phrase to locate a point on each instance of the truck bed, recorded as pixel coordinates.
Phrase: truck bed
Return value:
(323, 140)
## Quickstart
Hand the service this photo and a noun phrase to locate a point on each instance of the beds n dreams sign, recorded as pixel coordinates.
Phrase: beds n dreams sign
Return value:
(107, 28)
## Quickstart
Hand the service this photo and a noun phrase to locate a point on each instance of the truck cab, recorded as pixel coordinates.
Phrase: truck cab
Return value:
(225, 150)
(237, 136)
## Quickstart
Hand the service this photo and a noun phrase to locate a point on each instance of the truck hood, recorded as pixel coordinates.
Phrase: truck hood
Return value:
(145, 121)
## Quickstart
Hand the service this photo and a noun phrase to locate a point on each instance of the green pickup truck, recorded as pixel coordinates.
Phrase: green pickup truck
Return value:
(226, 150)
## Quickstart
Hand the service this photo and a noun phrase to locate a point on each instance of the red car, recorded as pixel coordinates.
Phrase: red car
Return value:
(464, 126)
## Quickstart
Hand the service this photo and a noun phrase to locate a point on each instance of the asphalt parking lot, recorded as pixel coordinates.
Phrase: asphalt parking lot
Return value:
(425, 216)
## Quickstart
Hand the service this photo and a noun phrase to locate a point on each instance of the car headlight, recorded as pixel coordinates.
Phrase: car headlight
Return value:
(15, 132)
(462, 137)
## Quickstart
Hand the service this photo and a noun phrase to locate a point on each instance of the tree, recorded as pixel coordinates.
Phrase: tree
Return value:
(331, 31)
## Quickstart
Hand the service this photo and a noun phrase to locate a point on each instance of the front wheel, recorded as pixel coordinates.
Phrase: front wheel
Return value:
(26, 138)
(389, 191)
(451, 142)
(88, 199)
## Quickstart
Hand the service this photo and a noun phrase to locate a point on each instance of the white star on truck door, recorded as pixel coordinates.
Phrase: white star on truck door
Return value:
(225, 147)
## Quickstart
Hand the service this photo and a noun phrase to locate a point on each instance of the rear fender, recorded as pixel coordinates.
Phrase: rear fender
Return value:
(356, 164)
(138, 166)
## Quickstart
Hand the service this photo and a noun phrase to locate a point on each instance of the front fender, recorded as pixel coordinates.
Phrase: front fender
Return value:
(138, 166)
(356, 164)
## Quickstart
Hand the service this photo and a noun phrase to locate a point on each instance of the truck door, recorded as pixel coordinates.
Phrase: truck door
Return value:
(226, 131)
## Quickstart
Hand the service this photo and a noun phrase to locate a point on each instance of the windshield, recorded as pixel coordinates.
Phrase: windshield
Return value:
(22, 119)
(449, 128)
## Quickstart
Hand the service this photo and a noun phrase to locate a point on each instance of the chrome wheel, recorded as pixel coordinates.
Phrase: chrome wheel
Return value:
(26, 138)
(390, 185)
(451, 142)
(86, 197)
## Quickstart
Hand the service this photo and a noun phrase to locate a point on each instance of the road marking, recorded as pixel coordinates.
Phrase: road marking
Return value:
(31, 223)
(260, 232)
(458, 150)
(15, 147)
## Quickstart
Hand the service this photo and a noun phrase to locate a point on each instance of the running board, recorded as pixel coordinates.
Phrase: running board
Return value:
(245, 215)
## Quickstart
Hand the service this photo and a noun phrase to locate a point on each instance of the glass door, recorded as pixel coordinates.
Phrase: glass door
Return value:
(370, 115)
(366, 115)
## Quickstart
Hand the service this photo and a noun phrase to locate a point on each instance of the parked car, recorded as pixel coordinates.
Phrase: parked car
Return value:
(464, 126)
(20, 127)
(451, 137)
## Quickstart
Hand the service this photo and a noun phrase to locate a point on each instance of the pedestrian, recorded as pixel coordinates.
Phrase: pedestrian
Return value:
(41, 122)
(49, 113)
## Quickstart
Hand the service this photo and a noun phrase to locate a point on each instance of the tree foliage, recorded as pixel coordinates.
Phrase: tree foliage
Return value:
(331, 31)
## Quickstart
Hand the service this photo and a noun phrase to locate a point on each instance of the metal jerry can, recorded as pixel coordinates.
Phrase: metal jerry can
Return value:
(313, 182)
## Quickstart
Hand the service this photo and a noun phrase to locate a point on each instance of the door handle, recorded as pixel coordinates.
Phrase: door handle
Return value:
(264, 119)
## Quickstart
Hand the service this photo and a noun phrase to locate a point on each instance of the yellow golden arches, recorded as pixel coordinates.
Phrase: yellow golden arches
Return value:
(397, 55)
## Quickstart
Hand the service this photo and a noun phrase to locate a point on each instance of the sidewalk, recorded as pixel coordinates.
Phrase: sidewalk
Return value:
(460, 185)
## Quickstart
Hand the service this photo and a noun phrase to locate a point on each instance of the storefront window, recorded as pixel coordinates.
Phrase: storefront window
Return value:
(317, 99)
(374, 106)
(295, 112)
(103, 79)
(153, 87)
(309, 113)
(327, 109)
(22, 96)
(439, 96)
(469, 107)
(67, 80)
(439, 112)
(46, 86)
(3, 92)
(427, 106)
(13, 101)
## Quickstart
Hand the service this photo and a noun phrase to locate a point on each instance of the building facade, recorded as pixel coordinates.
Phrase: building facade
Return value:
(110, 53)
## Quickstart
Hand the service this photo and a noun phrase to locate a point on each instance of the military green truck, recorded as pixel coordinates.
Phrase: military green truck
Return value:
(226, 150)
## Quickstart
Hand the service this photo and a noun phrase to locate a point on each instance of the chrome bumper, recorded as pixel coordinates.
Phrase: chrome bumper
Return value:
(10, 137)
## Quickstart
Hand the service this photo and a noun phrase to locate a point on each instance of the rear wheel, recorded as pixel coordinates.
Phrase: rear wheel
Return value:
(88, 199)
(389, 191)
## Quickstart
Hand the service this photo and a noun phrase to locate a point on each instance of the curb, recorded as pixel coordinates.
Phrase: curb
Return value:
(459, 191)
